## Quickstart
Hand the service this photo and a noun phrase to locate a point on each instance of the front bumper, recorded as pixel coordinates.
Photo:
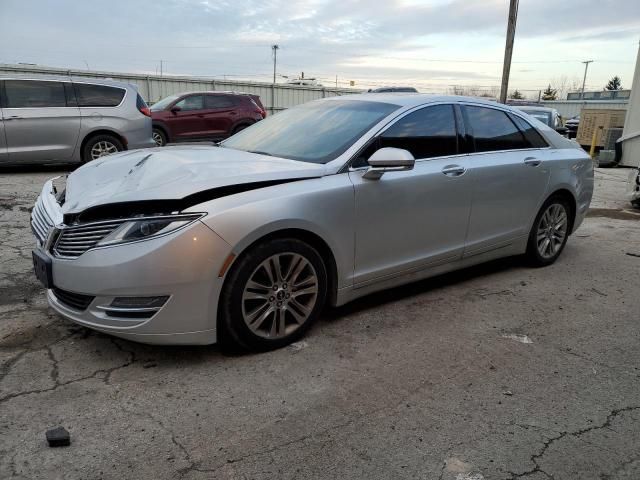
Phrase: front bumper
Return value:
(182, 266)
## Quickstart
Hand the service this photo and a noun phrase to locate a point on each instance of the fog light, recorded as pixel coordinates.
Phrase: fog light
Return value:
(139, 302)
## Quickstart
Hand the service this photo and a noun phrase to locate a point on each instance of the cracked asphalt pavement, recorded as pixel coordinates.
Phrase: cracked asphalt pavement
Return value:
(495, 372)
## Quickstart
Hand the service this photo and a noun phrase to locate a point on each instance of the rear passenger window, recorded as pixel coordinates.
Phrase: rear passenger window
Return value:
(428, 132)
(531, 134)
(219, 101)
(34, 94)
(493, 130)
(98, 95)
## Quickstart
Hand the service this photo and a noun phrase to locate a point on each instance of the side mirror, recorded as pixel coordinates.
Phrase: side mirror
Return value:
(562, 130)
(175, 109)
(389, 160)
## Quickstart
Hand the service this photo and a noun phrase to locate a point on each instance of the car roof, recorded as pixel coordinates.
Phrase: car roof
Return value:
(409, 99)
(63, 78)
(209, 92)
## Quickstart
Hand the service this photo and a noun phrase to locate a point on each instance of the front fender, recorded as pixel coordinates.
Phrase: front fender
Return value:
(322, 206)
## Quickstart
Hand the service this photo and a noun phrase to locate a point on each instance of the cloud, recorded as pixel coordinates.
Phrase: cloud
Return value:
(357, 37)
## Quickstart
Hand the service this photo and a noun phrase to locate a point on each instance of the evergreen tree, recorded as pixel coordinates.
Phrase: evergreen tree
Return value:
(614, 84)
(550, 94)
(516, 95)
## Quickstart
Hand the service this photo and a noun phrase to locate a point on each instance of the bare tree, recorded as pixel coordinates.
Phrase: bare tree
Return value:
(563, 85)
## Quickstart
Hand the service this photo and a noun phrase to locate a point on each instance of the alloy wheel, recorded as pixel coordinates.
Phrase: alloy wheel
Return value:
(280, 295)
(102, 148)
(158, 139)
(552, 230)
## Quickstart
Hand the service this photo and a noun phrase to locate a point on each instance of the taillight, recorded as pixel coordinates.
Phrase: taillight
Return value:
(146, 111)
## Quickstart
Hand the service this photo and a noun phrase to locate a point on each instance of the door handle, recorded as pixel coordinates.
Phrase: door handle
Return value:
(532, 161)
(453, 170)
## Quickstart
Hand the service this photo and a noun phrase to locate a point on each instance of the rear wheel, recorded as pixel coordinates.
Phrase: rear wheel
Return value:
(272, 295)
(100, 146)
(550, 232)
(159, 137)
(239, 128)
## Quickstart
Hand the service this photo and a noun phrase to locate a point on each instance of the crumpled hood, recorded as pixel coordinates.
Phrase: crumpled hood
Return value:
(173, 173)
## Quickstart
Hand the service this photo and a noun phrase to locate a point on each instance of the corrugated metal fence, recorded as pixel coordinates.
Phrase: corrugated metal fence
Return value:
(155, 87)
(571, 108)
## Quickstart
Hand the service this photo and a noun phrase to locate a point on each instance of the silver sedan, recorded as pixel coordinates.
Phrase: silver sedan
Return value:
(244, 243)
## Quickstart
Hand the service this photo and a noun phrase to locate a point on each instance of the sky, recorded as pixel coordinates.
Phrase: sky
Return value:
(430, 44)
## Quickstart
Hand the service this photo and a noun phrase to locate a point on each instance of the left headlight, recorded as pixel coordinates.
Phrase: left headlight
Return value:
(138, 229)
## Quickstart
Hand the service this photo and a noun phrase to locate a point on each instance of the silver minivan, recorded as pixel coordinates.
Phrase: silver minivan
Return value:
(46, 120)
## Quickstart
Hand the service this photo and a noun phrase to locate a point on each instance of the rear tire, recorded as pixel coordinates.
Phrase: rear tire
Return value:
(100, 146)
(159, 137)
(550, 232)
(272, 295)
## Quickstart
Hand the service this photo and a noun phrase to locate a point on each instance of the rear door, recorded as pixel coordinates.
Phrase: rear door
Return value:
(222, 112)
(3, 142)
(39, 123)
(510, 177)
(189, 122)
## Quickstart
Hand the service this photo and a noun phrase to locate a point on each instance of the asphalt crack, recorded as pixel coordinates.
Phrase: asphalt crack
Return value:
(547, 443)
(54, 372)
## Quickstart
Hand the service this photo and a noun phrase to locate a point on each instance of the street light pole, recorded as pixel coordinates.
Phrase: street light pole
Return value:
(508, 49)
(584, 80)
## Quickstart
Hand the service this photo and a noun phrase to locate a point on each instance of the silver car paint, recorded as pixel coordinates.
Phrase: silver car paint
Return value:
(381, 233)
(56, 134)
(173, 173)
(3, 141)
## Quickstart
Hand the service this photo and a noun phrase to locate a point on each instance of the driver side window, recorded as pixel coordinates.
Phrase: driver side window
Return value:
(193, 102)
(426, 133)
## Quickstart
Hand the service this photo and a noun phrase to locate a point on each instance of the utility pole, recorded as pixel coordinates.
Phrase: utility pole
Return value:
(275, 58)
(508, 49)
(336, 81)
(273, 85)
(584, 80)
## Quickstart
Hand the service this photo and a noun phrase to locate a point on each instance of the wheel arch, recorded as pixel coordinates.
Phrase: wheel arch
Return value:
(163, 127)
(307, 236)
(246, 122)
(568, 195)
(102, 131)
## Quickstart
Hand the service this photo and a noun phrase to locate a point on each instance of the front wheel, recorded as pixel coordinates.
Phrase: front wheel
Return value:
(272, 295)
(550, 232)
(159, 137)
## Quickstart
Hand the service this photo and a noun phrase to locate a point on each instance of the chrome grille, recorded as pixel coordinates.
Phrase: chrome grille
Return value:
(74, 241)
(41, 223)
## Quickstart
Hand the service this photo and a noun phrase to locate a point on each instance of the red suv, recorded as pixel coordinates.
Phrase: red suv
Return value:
(204, 116)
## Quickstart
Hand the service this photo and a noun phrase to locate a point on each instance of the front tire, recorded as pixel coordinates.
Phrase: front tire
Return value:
(100, 146)
(272, 295)
(159, 137)
(550, 232)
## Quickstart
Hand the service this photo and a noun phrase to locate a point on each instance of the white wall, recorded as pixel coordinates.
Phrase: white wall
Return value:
(571, 108)
(631, 147)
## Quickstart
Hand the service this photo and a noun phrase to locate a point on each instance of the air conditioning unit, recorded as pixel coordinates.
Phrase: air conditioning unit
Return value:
(611, 136)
